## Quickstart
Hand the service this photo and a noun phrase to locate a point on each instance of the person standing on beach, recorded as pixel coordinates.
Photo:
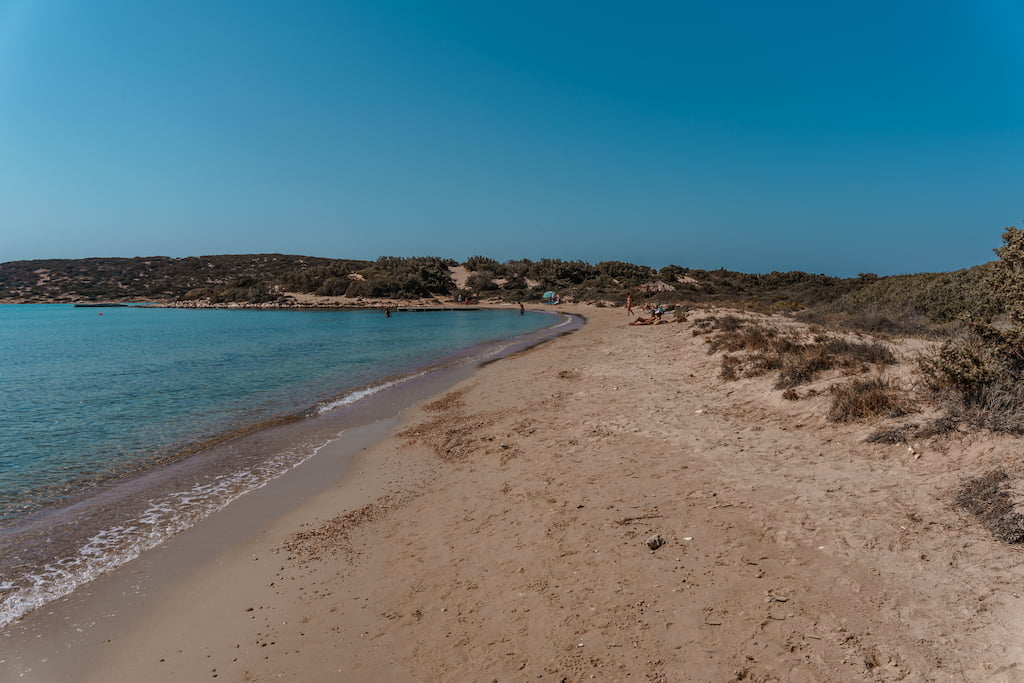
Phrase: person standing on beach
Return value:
(629, 304)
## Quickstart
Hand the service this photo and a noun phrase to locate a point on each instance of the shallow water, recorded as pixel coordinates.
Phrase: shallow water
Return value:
(118, 430)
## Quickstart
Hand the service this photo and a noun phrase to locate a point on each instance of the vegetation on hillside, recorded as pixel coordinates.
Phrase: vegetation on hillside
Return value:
(243, 277)
(979, 373)
(976, 376)
(895, 304)
(936, 297)
(269, 277)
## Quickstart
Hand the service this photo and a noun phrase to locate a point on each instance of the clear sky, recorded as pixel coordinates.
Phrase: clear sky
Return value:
(835, 137)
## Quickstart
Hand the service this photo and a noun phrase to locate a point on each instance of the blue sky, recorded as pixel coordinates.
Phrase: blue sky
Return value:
(837, 137)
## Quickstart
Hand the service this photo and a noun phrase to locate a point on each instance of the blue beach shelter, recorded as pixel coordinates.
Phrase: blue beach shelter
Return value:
(550, 297)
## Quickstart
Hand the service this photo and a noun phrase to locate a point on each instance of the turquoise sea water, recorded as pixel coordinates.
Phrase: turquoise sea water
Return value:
(94, 396)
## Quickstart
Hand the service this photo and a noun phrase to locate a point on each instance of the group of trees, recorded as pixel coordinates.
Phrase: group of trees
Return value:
(403, 278)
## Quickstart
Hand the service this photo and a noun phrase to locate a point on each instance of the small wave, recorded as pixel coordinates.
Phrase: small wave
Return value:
(359, 394)
(118, 544)
(165, 517)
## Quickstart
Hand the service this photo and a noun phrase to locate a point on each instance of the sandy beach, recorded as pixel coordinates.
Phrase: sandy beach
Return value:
(498, 533)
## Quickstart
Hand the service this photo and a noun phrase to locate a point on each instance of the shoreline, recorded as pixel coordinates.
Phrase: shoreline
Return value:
(318, 424)
(499, 531)
(308, 303)
(119, 595)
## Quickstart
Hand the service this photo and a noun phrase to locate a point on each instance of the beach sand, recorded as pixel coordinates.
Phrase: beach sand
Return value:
(498, 534)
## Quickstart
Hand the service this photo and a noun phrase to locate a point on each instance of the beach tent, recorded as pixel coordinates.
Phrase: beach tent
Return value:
(548, 295)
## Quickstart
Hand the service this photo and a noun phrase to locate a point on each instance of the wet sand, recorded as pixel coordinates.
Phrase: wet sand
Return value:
(498, 533)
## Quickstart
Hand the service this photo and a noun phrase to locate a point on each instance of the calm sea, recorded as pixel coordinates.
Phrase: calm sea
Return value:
(117, 424)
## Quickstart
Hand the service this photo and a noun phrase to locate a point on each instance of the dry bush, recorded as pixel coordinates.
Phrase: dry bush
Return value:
(999, 407)
(988, 498)
(868, 398)
(894, 434)
(859, 352)
(979, 375)
(711, 323)
(730, 323)
(979, 378)
(753, 349)
(747, 338)
(939, 426)
(704, 325)
(730, 368)
(904, 323)
(802, 366)
(827, 353)
(762, 362)
(679, 314)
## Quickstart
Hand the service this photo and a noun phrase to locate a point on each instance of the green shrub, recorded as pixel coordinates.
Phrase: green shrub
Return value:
(478, 263)
(481, 282)
(901, 301)
(625, 273)
(333, 286)
(405, 286)
(560, 274)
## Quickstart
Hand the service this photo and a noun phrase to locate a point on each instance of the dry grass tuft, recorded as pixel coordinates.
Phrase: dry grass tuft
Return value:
(894, 434)
(730, 368)
(939, 427)
(868, 398)
(988, 498)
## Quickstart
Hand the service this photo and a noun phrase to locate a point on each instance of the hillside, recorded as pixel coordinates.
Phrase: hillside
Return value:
(893, 303)
(157, 278)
